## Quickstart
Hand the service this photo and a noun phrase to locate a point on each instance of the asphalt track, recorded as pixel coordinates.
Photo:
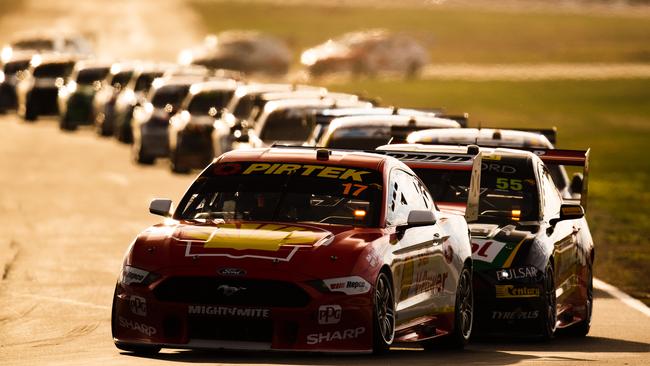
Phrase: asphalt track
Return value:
(70, 203)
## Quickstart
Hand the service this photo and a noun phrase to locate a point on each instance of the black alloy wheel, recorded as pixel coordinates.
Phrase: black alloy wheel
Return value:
(549, 301)
(384, 314)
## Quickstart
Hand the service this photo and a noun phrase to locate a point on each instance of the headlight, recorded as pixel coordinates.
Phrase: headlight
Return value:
(353, 285)
(131, 275)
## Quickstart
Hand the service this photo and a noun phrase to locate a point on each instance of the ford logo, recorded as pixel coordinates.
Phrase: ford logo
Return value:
(232, 272)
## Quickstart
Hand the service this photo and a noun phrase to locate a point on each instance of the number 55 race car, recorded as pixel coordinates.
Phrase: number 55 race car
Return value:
(532, 249)
(297, 249)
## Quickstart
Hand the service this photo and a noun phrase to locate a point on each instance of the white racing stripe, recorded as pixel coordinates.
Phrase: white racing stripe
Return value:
(64, 301)
(622, 296)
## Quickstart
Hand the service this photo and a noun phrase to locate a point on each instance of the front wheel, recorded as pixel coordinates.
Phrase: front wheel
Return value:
(137, 348)
(384, 314)
(549, 313)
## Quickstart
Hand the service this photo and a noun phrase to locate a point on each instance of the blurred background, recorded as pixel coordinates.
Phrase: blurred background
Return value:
(581, 66)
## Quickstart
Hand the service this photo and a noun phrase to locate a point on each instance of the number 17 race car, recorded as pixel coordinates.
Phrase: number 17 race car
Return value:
(297, 249)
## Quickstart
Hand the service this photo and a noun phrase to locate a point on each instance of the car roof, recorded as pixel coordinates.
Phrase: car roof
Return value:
(306, 155)
(458, 149)
(92, 64)
(264, 88)
(391, 120)
(310, 102)
(307, 94)
(213, 85)
(483, 136)
(53, 58)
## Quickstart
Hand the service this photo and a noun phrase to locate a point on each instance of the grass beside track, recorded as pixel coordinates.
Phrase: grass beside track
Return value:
(612, 117)
(453, 35)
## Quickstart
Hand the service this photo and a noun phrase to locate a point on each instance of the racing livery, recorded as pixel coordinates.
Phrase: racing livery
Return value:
(532, 249)
(297, 249)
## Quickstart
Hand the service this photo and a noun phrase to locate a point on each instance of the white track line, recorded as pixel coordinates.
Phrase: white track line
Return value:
(64, 301)
(622, 296)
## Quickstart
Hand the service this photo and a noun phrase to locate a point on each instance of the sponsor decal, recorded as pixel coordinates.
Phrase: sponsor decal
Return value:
(430, 281)
(448, 253)
(145, 329)
(133, 275)
(321, 171)
(279, 241)
(338, 335)
(232, 272)
(354, 285)
(329, 314)
(519, 273)
(498, 168)
(515, 315)
(229, 290)
(486, 250)
(510, 291)
(229, 311)
(138, 305)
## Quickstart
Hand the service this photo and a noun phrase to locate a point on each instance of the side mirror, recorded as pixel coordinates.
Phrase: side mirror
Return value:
(418, 218)
(161, 207)
(576, 183)
(569, 211)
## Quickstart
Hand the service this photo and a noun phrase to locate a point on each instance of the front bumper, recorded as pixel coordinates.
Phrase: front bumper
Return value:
(154, 135)
(284, 315)
(194, 147)
(507, 307)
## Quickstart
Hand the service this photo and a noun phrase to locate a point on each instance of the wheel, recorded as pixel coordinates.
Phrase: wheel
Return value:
(463, 316)
(65, 124)
(549, 312)
(175, 165)
(30, 113)
(384, 314)
(582, 328)
(141, 157)
(413, 70)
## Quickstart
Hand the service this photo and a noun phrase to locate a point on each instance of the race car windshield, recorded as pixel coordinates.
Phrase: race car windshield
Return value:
(203, 103)
(170, 95)
(287, 125)
(121, 79)
(13, 67)
(508, 189)
(53, 70)
(89, 76)
(34, 44)
(144, 81)
(285, 192)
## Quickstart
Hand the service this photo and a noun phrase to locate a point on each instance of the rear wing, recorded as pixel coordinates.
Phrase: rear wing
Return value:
(470, 161)
(549, 133)
(571, 158)
(462, 119)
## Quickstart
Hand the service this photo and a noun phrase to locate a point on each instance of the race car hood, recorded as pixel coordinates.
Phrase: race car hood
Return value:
(256, 247)
(497, 246)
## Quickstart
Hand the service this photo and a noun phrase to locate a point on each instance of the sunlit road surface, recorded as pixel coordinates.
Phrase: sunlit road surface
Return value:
(70, 203)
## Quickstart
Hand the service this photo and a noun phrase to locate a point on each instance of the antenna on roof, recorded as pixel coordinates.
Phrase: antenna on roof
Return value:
(390, 141)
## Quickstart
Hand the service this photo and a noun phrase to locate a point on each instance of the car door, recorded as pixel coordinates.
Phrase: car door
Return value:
(564, 236)
(420, 276)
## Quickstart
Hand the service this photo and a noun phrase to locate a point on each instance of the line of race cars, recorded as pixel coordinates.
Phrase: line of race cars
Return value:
(322, 222)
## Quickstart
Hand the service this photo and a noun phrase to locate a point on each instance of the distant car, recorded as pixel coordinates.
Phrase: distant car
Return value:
(132, 95)
(532, 250)
(48, 41)
(297, 249)
(290, 121)
(513, 138)
(104, 100)
(150, 125)
(76, 96)
(191, 128)
(367, 52)
(246, 51)
(11, 71)
(368, 132)
(38, 88)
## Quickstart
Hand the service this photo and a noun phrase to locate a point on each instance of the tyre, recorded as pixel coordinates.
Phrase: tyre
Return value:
(141, 157)
(65, 124)
(463, 316)
(30, 113)
(176, 165)
(548, 321)
(582, 328)
(383, 314)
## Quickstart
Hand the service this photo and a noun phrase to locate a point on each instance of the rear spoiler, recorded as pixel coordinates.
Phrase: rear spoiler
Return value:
(470, 161)
(549, 133)
(462, 119)
(572, 158)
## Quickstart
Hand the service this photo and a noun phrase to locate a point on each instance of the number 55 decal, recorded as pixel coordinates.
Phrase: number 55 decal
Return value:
(511, 184)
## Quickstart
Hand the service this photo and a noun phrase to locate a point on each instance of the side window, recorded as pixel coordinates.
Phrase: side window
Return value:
(552, 198)
(406, 193)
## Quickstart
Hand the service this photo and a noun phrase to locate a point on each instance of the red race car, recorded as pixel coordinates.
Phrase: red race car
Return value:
(297, 249)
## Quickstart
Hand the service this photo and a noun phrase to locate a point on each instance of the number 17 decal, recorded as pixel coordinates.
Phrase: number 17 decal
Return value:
(347, 188)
